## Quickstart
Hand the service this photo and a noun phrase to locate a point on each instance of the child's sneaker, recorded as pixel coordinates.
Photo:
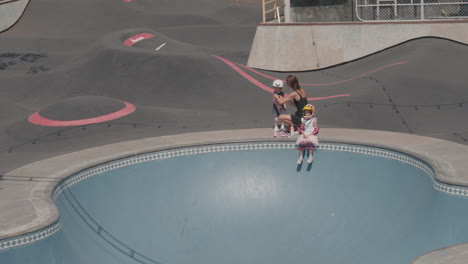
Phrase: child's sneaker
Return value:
(310, 159)
(283, 134)
(275, 131)
(299, 161)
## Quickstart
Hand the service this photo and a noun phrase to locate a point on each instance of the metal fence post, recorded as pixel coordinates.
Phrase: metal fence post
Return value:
(263, 9)
(287, 11)
(422, 9)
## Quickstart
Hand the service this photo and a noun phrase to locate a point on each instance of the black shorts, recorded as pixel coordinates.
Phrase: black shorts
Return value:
(296, 120)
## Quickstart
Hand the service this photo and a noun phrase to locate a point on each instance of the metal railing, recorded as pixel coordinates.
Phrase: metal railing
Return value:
(411, 10)
(271, 6)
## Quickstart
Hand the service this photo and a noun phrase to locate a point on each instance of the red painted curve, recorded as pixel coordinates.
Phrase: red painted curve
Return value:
(326, 84)
(266, 88)
(137, 38)
(37, 119)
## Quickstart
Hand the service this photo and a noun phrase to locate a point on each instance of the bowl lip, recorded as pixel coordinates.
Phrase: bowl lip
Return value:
(395, 154)
(444, 157)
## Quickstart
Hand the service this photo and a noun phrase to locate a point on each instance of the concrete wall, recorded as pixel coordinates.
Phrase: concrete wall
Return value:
(10, 12)
(322, 11)
(301, 47)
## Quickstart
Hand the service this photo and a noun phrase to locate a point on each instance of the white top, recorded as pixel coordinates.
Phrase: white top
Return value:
(308, 124)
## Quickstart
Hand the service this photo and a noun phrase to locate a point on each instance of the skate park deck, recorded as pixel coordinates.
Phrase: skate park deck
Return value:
(191, 76)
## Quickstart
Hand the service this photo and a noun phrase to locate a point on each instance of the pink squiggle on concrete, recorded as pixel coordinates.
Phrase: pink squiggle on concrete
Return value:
(266, 88)
(325, 84)
(37, 119)
(137, 38)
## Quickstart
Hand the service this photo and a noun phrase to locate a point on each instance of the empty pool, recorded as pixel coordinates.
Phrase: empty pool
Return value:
(251, 203)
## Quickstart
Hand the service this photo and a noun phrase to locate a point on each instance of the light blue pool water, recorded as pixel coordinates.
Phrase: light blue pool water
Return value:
(223, 205)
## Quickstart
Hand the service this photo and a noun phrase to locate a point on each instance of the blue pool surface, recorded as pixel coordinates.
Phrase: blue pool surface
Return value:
(251, 206)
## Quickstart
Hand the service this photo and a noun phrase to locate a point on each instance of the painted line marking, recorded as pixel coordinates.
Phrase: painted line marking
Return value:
(326, 84)
(161, 46)
(37, 119)
(137, 38)
(266, 88)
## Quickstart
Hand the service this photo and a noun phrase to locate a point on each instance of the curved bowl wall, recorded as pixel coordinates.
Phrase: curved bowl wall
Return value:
(251, 203)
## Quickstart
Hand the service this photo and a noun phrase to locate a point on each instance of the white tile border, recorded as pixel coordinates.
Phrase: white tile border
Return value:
(373, 151)
(30, 238)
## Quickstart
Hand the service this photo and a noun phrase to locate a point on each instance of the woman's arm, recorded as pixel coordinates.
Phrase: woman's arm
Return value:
(287, 99)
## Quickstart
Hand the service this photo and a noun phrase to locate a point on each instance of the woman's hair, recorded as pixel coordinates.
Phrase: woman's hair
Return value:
(292, 82)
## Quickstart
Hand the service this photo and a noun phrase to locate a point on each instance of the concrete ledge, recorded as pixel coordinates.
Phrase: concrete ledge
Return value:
(450, 255)
(26, 204)
(10, 12)
(302, 47)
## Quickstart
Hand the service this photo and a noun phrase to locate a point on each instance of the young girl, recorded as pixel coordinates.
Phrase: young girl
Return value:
(278, 109)
(308, 130)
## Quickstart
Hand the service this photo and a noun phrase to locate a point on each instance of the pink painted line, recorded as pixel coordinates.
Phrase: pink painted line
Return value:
(327, 97)
(37, 119)
(325, 84)
(266, 88)
(127, 1)
(137, 38)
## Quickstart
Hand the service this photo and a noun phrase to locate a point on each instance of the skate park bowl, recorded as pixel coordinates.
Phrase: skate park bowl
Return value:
(247, 201)
(75, 186)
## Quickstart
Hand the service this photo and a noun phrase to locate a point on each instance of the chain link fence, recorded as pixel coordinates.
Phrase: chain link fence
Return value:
(410, 10)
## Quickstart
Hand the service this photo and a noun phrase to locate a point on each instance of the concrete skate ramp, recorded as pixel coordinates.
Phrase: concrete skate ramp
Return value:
(10, 12)
(304, 47)
(189, 74)
(233, 204)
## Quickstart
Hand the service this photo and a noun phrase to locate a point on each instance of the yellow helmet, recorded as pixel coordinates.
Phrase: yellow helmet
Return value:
(309, 107)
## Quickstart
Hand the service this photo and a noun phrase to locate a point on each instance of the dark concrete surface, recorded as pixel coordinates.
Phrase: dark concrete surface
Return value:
(61, 52)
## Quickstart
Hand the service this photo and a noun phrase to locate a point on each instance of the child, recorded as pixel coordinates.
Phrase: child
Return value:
(278, 108)
(308, 131)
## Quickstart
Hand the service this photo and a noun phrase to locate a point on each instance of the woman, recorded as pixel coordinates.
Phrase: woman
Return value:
(297, 98)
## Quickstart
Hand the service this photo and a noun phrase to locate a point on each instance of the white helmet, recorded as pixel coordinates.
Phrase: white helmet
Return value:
(278, 83)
